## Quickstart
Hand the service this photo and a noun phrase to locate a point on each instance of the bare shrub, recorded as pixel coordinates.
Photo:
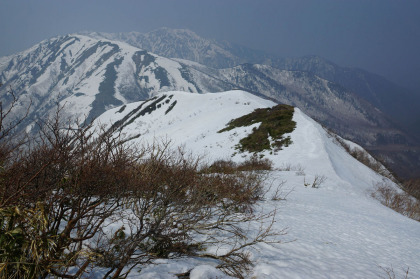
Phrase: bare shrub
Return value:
(54, 196)
(9, 123)
(61, 195)
(255, 164)
(285, 167)
(390, 274)
(230, 167)
(279, 193)
(222, 166)
(299, 170)
(317, 182)
(412, 187)
(399, 201)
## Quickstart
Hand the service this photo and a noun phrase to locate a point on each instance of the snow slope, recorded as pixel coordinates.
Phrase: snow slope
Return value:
(334, 231)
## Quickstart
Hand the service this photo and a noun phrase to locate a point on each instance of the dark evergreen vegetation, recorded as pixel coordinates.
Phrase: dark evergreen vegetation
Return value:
(275, 122)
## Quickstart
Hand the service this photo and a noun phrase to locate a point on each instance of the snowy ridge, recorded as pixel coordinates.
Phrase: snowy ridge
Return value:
(194, 121)
(337, 230)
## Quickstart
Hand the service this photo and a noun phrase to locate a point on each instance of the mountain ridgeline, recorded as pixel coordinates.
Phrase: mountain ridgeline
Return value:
(90, 73)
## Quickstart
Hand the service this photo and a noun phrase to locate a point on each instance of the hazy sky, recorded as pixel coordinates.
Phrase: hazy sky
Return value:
(382, 36)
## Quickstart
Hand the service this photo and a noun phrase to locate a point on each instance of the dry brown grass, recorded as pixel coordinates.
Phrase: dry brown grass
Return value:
(412, 186)
(397, 200)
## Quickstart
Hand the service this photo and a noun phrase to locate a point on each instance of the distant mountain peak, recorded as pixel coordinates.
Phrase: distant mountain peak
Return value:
(168, 30)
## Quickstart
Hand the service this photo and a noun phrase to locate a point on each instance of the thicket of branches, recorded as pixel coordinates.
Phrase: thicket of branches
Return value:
(74, 201)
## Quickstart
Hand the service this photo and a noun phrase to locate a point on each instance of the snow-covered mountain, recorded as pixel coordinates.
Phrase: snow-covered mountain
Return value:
(336, 231)
(185, 44)
(90, 74)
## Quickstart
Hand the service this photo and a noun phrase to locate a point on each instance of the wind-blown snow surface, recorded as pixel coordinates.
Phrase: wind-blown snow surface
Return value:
(336, 230)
